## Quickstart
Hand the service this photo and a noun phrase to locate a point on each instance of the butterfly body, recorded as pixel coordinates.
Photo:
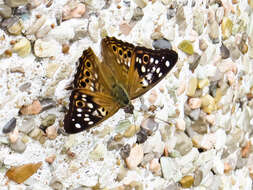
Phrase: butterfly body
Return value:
(101, 88)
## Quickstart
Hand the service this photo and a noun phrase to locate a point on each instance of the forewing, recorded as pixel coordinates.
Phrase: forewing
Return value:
(148, 67)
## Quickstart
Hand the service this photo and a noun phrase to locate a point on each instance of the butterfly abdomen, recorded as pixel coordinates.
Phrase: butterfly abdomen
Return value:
(120, 95)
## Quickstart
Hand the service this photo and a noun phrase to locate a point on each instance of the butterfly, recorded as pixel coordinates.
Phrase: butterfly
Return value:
(101, 88)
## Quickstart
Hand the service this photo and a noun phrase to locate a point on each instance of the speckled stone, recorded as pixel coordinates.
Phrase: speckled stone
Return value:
(16, 3)
(5, 11)
(18, 146)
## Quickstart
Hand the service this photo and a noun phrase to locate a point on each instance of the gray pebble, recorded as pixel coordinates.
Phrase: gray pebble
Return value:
(25, 86)
(224, 51)
(16, 3)
(5, 11)
(18, 146)
(48, 120)
(27, 126)
(161, 44)
(138, 14)
(10, 125)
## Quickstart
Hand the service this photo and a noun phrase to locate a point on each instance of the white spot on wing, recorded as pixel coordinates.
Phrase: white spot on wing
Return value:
(90, 105)
(79, 110)
(160, 74)
(79, 115)
(90, 122)
(158, 70)
(86, 119)
(156, 61)
(77, 125)
(167, 63)
(143, 69)
(151, 60)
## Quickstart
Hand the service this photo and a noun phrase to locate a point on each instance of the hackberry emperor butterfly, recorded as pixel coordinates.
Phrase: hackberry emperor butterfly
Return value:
(100, 89)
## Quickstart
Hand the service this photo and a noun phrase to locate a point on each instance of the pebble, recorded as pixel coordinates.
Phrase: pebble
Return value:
(48, 120)
(245, 151)
(19, 146)
(180, 124)
(16, 3)
(125, 28)
(186, 47)
(171, 12)
(155, 167)
(43, 31)
(192, 86)
(214, 32)
(208, 103)
(219, 14)
(152, 97)
(20, 174)
(202, 83)
(56, 183)
(27, 125)
(31, 109)
(22, 47)
(202, 45)
(194, 114)
(25, 86)
(10, 125)
(142, 135)
(170, 169)
(43, 48)
(226, 28)
(73, 10)
(15, 27)
(137, 15)
(187, 181)
(34, 3)
(51, 69)
(131, 131)
(224, 51)
(210, 119)
(36, 25)
(183, 143)
(198, 21)
(13, 136)
(113, 144)
(149, 124)
(162, 44)
(135, 157)
(65, 48)
(5, 11)
(125, 151)
(51, 132)
(194, 103)
(195, 62)
(198, 176)
(140, 3)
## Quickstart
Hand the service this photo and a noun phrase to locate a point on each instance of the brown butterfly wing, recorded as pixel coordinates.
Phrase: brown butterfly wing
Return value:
(148, 67)
(90, 101)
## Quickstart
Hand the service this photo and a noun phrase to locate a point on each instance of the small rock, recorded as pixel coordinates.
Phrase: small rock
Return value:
(73, 9)
(15, 27)
(192, 86)
(187, 181)
(226, 28)
(36, 25)
(135, 157)
(50, 159)
(32, 109)
(194, 114)
(22, 47)
(171, 12)
(44, 48)
(65, 48)
(34, 3)
(43, 31)
(10, 125)
(5, 11)
(246, 150)
(51, 69)
(137, 15)
(17, 69)
(131, 131)
(183, 143)
(149, 124)
(214, 32)
(169, 169)
(202, 45)
(16, 3)
(98, 153)
(18, 146)
(27, 126)
(162, 44)
(125, 28)
(219, 14)
(198, 176)
(36, 133)
(198, 21)
(208, 103)
(194, 103)
(224, 51)
(142, 135)
(125, 151)
(13, 136)
(25, 86)
(186, 47)
(47, 104)
(113, 144)
(195, 62)
(210, 119)
(152, 97)
(51, 132)
(202, 83)
(48, 120)
(155, 167)
(180, 124)
(56, 183)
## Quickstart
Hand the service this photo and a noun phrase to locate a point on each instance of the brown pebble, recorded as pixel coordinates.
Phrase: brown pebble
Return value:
(50, 159)
(65, 48)
(8, 53)
(246, 150)
(187, 181)
(227, 168)
(31, 109)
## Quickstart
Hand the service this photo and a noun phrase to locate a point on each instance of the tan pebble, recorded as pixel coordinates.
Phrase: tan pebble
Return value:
(50, 159)
(154, 166)
(202, 83)
(187, 181)
(246, 150)
(73, 10)
(231, 77)
(51, 69)
(13, 136)
(180, 124)
(31, 109)
(22, 47)
(131, 131)
(202, 45)
(210, 119)
(125, 28)
(65, 48)
(51, 132)
(152, 97)
(226, 28)
(118, 137)
(8, 53)
(192, 86)
(227, 168)
(250, 2)
(135, 157)
(194, 103)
